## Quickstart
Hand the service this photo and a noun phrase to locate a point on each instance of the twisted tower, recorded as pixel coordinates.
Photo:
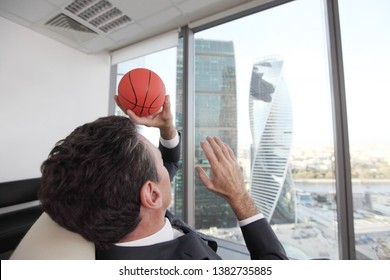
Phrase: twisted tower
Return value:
(270, 117)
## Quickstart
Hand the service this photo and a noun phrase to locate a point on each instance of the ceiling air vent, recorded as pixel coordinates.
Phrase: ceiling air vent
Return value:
(65, 22)
(99, 13)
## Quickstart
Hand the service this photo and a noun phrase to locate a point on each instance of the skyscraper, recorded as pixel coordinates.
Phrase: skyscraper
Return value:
(270, 117)
(215, 115)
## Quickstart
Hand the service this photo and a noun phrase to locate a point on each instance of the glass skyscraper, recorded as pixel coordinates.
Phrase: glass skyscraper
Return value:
(215, 115)
(271, 127)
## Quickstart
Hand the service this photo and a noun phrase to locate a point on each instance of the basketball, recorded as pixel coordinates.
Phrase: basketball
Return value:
(142, 91)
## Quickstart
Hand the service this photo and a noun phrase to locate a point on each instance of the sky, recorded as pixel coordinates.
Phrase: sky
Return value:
(300, 41)
(296, 32)
(366, 45)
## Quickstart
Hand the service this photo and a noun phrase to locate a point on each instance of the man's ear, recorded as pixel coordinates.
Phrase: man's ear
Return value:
(150, 195)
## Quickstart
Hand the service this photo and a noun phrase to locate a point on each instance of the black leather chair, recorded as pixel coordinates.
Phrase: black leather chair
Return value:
(19, 209)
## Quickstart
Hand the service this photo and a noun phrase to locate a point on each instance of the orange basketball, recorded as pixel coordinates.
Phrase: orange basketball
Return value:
(142, 91)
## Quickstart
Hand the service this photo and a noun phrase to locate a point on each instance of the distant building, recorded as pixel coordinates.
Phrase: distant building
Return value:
(380, 202)
(215, 115)
(305, 199)
(271, 127)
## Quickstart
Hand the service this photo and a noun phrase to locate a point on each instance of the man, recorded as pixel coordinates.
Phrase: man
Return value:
(111, 185)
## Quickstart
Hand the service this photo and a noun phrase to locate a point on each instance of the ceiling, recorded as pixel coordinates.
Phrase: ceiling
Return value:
(93, 26)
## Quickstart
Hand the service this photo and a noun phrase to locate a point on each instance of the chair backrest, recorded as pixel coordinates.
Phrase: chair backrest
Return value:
(17, 192)
(19, 209)
(46, 240)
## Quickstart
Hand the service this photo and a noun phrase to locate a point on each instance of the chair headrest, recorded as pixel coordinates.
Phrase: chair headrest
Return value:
(47, 240)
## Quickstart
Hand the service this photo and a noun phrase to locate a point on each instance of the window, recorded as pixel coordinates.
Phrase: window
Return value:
(261, 83)
(366, 60)
(163, 63)
(262, 86)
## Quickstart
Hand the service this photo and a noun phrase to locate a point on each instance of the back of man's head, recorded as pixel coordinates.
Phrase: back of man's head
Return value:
(91, 180)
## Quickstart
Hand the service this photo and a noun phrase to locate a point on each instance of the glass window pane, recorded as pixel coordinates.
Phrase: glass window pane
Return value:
(262, 85)
(366, 45)
(163, 63)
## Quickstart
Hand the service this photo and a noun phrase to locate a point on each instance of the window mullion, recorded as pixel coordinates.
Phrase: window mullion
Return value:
(188, 127)
(343, 169)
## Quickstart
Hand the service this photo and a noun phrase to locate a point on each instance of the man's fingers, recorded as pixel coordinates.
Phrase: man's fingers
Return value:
(133, 116)
(155, 115)
(220, 148)
(224, 147)
(167, 103)
(231, 153)
(216, 149)
(209, 153)
(204, 178)
(147, 121)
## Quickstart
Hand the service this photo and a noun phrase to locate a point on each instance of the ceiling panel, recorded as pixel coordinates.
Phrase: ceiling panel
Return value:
(30, 11)
(160, 18)
(148, 18)
(141, 9)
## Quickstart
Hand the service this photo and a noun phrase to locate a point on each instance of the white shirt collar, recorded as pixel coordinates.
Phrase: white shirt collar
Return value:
(167, 233)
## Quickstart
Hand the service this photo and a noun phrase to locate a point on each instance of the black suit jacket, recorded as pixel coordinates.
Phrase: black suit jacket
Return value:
(191, 246)
(260, 239)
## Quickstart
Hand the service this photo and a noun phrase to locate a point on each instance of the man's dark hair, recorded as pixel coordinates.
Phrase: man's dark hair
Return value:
(91, 180)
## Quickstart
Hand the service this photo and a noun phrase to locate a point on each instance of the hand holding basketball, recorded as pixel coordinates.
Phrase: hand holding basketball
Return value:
(162, 119)
(142, 91)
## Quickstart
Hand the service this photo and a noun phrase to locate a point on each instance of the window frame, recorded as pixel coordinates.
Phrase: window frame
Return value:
(346, 235)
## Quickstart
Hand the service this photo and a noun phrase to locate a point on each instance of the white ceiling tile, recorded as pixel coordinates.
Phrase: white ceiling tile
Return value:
(160, 18)
(97, 44)
(125, 32)
(177, 1)
(137, 9)
(194, 5)
(59, 3)
(28, 10)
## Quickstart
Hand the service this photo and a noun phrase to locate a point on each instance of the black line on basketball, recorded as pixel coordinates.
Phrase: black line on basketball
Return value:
(135, 105)
(151, 104)
(135, 95)
(147, 92)
(131, 102)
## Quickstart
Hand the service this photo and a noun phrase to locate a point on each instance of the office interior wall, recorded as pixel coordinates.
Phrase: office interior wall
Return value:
(46, 90)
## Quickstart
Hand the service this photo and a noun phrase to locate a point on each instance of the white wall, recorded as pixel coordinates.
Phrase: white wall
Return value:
(46, 90)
